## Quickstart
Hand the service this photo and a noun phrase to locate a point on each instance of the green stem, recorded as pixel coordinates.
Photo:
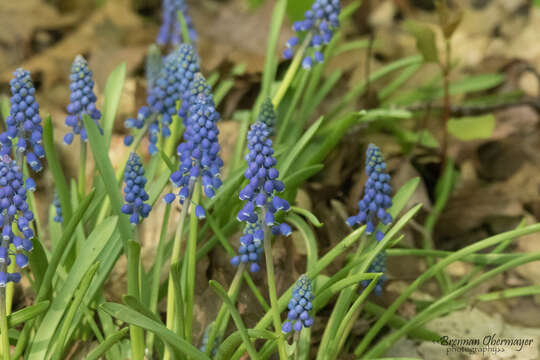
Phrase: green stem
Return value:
(82, 170)
(4, 324)
(136, 333)
(274, 306)
(291, 72)
(175, 256)
(223, 316)
(191, 262)
(154, 292)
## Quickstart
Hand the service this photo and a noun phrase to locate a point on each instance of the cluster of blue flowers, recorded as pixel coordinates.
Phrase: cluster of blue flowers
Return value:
(251, 247)
(23, 122)
(179, 69)
(319, 23)
(378, 265)
(263, 182)
(197, 87)
(267, 115)
(82, 100)
(14, 210)
(135, 194)
(299, 306)
(56, 202)
(199, 153)
(170, 31)
(376, 200)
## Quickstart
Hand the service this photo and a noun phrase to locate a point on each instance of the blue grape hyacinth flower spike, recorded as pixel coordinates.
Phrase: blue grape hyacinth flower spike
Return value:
(23, 122)
(14, 210)
(260, 192)
(251, 247)
(377, 191)
(378, 265)
(319, 24)
(267, 114)
(197, 87)
(81, 101)
(170, 32)
(300, 305)
(198, 154)
(134, 190)
(174, 79)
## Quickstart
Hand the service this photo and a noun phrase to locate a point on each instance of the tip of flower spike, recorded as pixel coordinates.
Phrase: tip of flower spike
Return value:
(267, 115)
(80, 60)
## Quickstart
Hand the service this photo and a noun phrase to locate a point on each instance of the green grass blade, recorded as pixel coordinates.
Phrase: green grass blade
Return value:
(109, 342)
(94, 244)
(133, 317)
(230, 344)
(60, 183)
(236, 318)
(27, 313)
(113, 91)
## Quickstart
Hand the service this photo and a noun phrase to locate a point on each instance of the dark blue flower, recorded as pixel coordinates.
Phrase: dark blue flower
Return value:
(319, 23)
(378, 265)
(197, 87)
(300, 305)
(199, 153)
(23, 122)
(267, 114)
(377, 193)
(81, 101)
(134, 193)
(263, 183)
(174, 80)
(251, 247)
(56, 202)
(14, 210)
(170, 31)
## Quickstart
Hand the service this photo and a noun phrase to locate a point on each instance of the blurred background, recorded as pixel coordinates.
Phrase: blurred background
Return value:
(495, 53)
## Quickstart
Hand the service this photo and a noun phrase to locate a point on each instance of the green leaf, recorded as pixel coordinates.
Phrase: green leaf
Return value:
(425, 40)
(472, 127)
(60, 182)
(103, 164)
(227, 347)
(308, 236)
(297, 178)
(27, 313)
(236, 317)
(63, 245)
(308, 215)
(113, 91)
(102, 348)
(474, 83)
(297, 8)
(175, 342)
(295, 151)
(94, 244)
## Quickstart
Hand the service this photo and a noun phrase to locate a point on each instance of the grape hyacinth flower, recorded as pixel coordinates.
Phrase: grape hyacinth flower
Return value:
(267, 114)
(170, 31)
(56, 202)
(14, 210)
(376, 200)
(263, 182)
(378, 265)
(319, 24)
(173, 81)
(135, 194)
(198, 154)
(300, 305)
(251, 247)
(23, 122)
(82, 100)
(197, 87)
